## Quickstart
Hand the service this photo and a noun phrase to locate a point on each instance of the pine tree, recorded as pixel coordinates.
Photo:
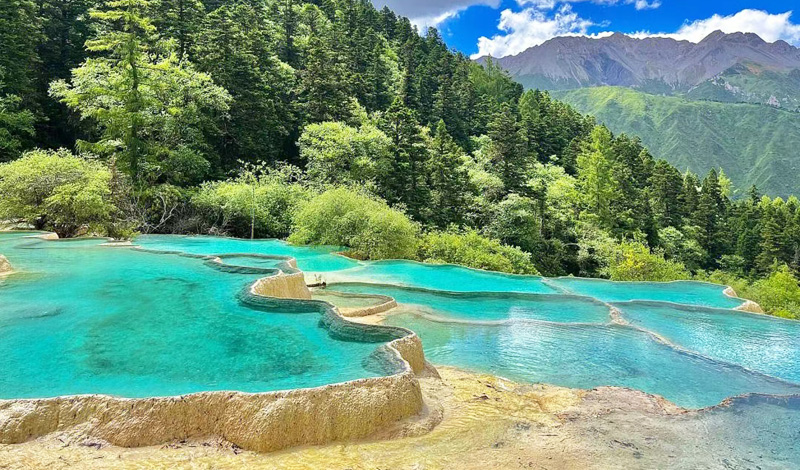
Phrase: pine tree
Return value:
(179, 20)
(508, 148)
(665, 190)
(596, 176)
(449, 181)
(323, 81)
(772, 242)
(406, 183)
(151, 108)
(234, 44)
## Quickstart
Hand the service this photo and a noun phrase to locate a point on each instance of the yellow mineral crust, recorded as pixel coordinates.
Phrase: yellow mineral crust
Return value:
(470, 421)
(283, 286)
(747, 306)
(5, 266)
(260, 422)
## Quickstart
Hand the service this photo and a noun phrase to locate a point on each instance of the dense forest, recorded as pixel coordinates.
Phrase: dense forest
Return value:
(331, 122)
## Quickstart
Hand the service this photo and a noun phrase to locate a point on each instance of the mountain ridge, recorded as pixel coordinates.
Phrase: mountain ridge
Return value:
(570, 62)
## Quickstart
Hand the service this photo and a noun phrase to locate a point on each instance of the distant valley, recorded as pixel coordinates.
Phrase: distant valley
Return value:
(730, 101)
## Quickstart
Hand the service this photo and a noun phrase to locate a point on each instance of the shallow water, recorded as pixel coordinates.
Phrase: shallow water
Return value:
(688, 293)
(491, 306)
(442, 277)
(586, 356)
(309, 259)
(758, 342)
(71, 324)
(82, 318)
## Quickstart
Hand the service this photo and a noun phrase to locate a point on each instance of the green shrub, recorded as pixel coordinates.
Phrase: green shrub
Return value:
(58, 191)
(368, 226)
(633, 261)
(475, 251)
(229, 206)
(778, 294)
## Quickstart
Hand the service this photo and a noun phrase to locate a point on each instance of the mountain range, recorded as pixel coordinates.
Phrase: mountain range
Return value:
(724, 67)
(729, 101)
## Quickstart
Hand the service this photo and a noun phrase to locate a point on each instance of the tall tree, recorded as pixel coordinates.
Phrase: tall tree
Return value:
(409, 155)
(449, 181)
(596, 176)
(665, 188)
(179, 20)
(235, 46)
(151, 109)
(323, 80)
(508, 148)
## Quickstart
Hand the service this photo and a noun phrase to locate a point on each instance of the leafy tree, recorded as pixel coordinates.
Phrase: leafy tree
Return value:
(368, 226)
(58, 191)
(150, 107)
(259, 203)
(336, 153)
(16, 125)
(475, 251)
(516, 222)
(633, 261)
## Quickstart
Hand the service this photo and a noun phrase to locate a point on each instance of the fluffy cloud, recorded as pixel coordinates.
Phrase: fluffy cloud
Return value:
(424, 13)
(550, 4)
(531, 27)
(770, 27)
(536, 23)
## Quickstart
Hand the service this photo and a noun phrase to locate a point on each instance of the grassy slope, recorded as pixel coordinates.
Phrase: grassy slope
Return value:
(752, 143)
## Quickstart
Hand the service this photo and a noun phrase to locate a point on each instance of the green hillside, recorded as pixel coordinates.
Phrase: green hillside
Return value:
(752, 143)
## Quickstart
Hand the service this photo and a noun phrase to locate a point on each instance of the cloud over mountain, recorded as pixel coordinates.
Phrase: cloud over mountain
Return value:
(537, 22)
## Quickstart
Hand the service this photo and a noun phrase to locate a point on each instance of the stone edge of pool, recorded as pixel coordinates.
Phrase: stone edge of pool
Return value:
(5, 266)
(261, 422)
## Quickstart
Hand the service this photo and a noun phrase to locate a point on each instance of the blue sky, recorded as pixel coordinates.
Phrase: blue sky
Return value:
(507, 27)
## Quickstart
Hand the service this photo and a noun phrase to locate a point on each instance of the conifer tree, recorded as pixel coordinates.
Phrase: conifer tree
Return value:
(596, 176)
(449, 181)
(508, 148)
(406, 183)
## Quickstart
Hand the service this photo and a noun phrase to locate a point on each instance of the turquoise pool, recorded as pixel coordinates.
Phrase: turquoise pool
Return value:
(83, 318)
(86, 318)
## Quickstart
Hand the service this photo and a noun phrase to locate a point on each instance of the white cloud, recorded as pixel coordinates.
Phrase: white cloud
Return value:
(770, 27)
(425, 13)
(531, 27)
(550, 4)
(534, 25)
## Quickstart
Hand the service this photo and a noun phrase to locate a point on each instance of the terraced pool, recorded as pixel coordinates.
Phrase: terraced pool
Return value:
(80, 318)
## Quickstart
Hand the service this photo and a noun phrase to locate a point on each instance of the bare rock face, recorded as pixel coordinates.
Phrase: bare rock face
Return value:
(5, 266)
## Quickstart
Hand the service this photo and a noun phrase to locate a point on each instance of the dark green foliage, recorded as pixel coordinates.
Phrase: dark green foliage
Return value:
(173, 96)
(448, 180)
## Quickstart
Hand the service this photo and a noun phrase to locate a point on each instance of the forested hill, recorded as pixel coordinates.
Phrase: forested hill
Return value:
(730, 100)
(284, 63)
(754, 144)
(330, 122)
